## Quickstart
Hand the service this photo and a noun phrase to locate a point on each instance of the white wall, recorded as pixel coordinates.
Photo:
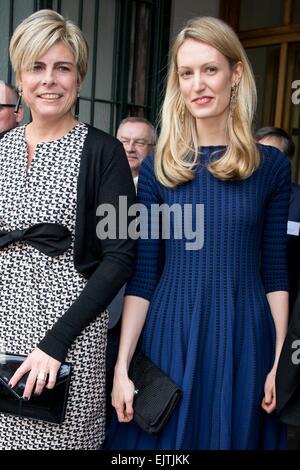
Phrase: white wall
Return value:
(182, 10)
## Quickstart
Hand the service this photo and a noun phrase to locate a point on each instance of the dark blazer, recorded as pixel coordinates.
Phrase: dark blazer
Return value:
(104, 175)
(294, 246)
(288, 373)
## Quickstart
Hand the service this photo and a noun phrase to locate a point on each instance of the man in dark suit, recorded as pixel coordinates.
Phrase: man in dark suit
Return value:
(288, 373)
(294, 244)
(277, 137)
(288, 370)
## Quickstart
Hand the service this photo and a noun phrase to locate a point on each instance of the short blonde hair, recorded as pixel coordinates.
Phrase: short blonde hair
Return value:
(177, 148)
(38, 33)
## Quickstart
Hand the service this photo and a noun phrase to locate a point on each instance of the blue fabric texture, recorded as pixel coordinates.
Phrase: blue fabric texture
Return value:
(209, 325)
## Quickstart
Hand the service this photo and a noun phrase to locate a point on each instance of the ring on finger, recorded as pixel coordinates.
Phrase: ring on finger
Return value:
(42, 376)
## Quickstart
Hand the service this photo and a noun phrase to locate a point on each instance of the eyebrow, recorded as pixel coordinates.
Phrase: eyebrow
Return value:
(134, 138)
(60, 62)
(212, 62)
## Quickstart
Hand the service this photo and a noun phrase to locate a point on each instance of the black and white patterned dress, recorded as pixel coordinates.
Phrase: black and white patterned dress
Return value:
(35, 289)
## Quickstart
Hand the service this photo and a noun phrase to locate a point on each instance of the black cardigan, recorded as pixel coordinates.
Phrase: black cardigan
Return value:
(104, 175)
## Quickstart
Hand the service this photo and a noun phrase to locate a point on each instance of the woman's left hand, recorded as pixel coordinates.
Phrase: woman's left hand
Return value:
(42, 370)
(269, 400)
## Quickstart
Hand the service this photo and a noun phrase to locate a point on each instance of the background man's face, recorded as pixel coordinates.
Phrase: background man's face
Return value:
(8, 119)
(137, 140)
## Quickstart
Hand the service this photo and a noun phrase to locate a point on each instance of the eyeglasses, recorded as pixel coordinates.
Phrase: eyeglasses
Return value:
(2, 106)
(136, 143)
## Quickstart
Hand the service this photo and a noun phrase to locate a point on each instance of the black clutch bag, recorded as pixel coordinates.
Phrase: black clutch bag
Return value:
(50, 406)
(156, 394)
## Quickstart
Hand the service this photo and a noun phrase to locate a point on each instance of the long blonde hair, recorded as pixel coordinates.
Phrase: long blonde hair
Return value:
(178, 145)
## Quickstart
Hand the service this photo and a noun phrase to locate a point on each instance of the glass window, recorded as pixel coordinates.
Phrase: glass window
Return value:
(22, 9)
(85, 111)
(139, 56)
(102, 116)
(70, 10)
(12, 13)
(265, 64)
(4, 39)
(294, 124)
(256, 14)
(105, 50)
(88, 28)
(296, 15)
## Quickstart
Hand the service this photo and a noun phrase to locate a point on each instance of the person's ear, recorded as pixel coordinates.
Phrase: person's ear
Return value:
(237, 73)
(20, 115)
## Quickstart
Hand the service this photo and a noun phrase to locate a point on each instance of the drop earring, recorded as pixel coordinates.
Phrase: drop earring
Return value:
(76, 114)
(233, 98)
(19, 102)
(182, 114)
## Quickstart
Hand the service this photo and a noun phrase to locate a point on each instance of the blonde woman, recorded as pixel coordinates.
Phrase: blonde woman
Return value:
(213, 318)
(54, 174)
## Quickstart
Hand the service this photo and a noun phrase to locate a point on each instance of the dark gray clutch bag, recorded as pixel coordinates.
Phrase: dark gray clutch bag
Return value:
(157, 395)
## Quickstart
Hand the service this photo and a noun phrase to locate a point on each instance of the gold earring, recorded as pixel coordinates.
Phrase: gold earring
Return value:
(182, 114)
(233, 98)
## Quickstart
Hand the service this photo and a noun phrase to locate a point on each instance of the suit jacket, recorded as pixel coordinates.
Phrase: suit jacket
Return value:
(288, 373)
(294, 246)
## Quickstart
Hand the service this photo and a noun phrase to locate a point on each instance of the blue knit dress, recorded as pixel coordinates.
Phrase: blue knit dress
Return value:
(209, 325)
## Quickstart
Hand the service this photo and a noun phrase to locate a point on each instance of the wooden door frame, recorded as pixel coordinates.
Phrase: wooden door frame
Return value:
(282, 35)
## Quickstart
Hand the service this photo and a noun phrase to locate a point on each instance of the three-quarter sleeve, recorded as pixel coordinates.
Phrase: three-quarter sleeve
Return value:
(274, 243)
(116, 254)
(149, 258)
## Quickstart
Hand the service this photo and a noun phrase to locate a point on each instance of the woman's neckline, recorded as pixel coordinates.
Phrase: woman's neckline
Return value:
(220, 146)
(59, 139)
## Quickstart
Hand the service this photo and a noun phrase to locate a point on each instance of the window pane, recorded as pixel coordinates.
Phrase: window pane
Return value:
(22, 9)
(296, 16)
(55, 5)
(139, 59)
(261, 14)
(265, 64)
(136, 111)
(70, 10)
(294, 124)
(102, 116)
(105, 50)
(88, 22)
(4, 32)
(85, 111)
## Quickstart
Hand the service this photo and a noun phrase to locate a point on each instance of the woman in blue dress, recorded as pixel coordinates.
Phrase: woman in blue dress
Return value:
(213, 314)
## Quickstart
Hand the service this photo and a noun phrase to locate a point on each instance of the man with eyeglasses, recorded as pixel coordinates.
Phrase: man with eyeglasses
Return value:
(8, 99)
(138, 136)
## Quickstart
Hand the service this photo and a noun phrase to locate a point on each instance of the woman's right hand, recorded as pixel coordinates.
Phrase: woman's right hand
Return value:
(122, 396)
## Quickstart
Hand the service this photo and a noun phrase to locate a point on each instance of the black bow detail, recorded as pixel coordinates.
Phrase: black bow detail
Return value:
(50, 239)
